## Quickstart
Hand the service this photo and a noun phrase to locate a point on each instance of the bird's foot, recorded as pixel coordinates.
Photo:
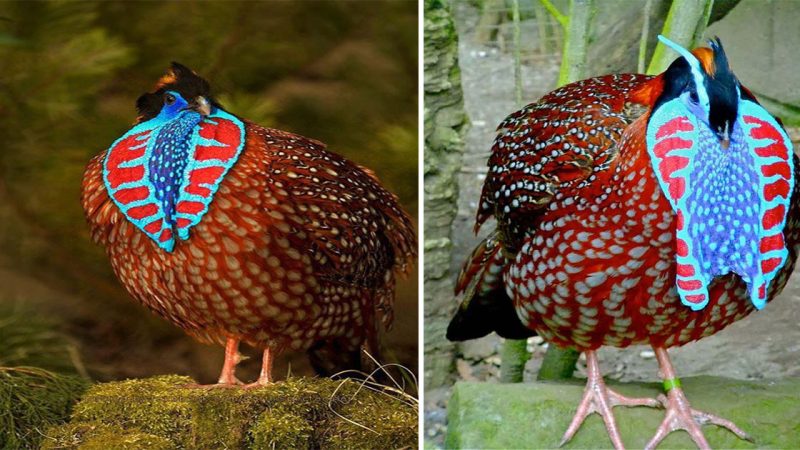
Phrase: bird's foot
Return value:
(258, 384)
(681, 416)
(221, 384)
(265, 378)
(598, 398)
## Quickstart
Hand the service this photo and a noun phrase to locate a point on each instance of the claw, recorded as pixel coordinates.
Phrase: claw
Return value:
(600, 399)
(681, 416)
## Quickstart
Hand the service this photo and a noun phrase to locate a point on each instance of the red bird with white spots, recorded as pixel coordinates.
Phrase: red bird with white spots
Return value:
(298, 247)
(587, 226)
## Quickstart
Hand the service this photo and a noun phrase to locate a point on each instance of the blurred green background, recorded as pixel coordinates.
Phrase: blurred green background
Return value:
(344, 73)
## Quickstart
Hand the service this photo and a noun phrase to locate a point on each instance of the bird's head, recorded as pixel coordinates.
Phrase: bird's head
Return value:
(727, 168)
(180, 89)
(703, 83)
(164, 172)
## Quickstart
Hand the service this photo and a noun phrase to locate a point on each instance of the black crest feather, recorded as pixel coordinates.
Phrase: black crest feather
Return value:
(179, 78)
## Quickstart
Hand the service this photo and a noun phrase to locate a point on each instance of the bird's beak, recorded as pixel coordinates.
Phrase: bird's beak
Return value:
(725, 137)
(201, 105)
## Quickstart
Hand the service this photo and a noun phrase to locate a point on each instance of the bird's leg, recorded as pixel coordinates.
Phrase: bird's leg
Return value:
(232, 358)
(681, 416)
(265, 377)
(600, 399)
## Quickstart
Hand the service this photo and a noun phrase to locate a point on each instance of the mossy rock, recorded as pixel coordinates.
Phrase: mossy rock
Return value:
(31, 400)
(169, 412)
(535, 415)
(98, 436)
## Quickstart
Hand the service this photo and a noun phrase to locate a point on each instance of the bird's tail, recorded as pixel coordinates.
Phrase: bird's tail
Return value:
(485, 306)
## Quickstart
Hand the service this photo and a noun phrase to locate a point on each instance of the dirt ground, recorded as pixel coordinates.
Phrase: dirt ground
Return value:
(765, 345)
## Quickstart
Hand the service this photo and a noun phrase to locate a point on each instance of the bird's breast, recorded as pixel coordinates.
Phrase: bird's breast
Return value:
(164, 175)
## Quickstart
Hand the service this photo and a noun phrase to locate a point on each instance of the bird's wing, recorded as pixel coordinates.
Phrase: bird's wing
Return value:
(548, 147)
(355, 231)
(553, 144)
(101, 212)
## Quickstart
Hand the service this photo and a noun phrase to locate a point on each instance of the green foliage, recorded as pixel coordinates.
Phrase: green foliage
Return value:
(26, 340)
(31, 400)
(168, 412)
(38, 377)
(344, 73)
(72, 72)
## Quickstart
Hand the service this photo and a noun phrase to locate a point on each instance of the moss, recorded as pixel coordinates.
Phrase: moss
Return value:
(296, 413)
(483, 415)
(98, 436)
(280, 429)
(31, 400)
(381, 427)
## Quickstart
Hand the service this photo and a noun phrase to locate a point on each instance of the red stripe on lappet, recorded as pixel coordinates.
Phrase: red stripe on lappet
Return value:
(165, 235)
(697, 298)
(153, 226)
(763, 130)
(122, 153)
(685, 270)
(677, 187)
(690, 285)
(768, 265)
(204, 175)
(681, 248)
(674, 143)
(131, 195)
(140, 212)
(187, 207)
(771, 243)
(779, 187)
(225, 132)
(676, 125)
(773, 217)
(778, 168)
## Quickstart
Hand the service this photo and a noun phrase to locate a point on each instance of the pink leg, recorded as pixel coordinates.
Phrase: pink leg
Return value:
(265, 377)
(681, 416)
(600, 399)
(232, 358)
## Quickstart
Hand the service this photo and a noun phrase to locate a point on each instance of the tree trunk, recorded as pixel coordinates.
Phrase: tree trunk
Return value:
(445, 123)
(576, 41)
(489, 22)
(686, 21)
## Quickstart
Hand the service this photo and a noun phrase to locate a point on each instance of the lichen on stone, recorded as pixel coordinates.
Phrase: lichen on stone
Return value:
(491, 415)
(172, 412)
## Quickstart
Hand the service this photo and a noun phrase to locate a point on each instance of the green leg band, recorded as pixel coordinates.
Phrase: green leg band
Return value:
(671, 384)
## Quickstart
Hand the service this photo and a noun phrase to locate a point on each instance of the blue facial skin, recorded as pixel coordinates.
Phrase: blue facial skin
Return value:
(170, 154)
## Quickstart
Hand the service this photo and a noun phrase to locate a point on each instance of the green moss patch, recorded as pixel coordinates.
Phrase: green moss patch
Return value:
(535, 415)
(167, 412)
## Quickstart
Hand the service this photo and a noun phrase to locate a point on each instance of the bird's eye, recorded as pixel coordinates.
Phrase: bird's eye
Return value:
(169, 99)
(693, 97)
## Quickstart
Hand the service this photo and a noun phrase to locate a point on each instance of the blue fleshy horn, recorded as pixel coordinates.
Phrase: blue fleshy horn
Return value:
(694, 63)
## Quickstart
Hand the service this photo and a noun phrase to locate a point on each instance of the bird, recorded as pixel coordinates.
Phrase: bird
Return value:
(634, 209)
(239, 233)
